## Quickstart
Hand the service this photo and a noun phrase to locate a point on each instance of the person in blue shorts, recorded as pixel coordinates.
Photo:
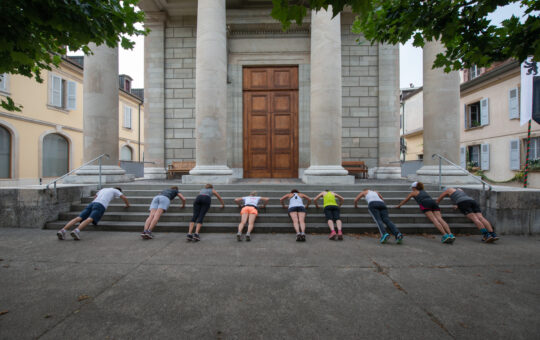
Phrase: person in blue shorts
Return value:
(93, 212)
(159, 205)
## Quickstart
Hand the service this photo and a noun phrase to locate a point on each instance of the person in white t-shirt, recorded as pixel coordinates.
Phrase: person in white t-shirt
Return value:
(93, 212)
(249, 212)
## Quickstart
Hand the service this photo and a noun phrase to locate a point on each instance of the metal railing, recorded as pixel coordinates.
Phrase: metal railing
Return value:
(460, 168)
(98, 158)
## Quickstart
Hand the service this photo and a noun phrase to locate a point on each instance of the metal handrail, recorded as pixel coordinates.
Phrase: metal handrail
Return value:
(85, 164)
(460, 168)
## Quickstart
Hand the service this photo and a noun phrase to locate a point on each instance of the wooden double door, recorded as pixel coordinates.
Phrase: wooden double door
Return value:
(270, 98)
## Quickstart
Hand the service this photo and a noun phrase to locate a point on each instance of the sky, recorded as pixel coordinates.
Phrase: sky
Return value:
(131, 62)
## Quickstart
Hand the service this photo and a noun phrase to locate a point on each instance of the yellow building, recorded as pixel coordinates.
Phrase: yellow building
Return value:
(45, 139)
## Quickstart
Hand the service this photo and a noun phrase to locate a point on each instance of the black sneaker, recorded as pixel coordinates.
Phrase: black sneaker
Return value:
(248, 238)
(189, 237)
(196, 238)
(303, 236)
(239, 237)
(298, 238)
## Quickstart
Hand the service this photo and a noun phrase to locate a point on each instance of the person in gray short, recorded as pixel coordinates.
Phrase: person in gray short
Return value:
(470, 208)
(159, 205)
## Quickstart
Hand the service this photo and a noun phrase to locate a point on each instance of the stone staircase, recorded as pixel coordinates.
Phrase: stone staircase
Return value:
(409, 219)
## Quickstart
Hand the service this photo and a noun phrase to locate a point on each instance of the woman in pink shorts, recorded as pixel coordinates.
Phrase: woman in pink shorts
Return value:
(249, 212)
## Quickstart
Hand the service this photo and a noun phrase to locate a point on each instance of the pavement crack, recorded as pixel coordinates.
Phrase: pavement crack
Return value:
(438, 322)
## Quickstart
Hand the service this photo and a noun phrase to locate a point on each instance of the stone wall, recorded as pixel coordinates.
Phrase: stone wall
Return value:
(180, 38)
(360, 96)
(32, 208)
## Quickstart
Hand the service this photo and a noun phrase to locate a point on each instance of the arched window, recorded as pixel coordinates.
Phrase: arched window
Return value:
(126, 153)
(55, 155)
(5, 153)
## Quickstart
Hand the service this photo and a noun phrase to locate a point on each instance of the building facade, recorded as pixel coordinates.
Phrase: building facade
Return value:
(412, 126)
(45, 139)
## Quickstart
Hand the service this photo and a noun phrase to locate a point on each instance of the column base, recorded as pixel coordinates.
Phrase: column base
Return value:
(449, 175)
(155, 173)
(387, 172)
(90, 175)
(327, 174)
(201, 174)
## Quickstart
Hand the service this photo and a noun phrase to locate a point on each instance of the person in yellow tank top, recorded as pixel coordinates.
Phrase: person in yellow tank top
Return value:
(331, 212)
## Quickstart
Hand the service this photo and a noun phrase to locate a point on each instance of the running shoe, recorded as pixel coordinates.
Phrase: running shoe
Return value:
(494, 236)
(303, 237)
(384, 238)
(248, 238)
(239, 237)
(76, 234)
(340, 236)
(451, 238)
(196, 238)
(445, 238)
(149, 235)
(298, 238)
(333, 235)
(399, 238)
(189, 237)
(485, 237)
(143, 235)
(61, 234)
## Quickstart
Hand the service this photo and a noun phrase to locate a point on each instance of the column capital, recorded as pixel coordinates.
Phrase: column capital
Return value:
(155, 18)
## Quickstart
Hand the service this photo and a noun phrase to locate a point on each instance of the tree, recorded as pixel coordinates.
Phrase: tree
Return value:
(36, 33)
(462, 26)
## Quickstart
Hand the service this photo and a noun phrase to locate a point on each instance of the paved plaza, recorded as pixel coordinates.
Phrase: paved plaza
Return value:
(112, 285)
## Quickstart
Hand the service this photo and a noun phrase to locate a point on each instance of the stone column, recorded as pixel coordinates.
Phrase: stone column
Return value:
(325, 119)
(210, 96)
(154, 96)
(100, 117)
(388, 163)
(441, 120)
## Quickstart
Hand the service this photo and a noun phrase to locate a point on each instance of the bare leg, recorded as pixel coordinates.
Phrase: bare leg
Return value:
(191, 224)
(338, 224)
(251, 223)
(331, 225)
(302, 219)
(85, 223)
(72, 223)
(435, 221)
(294, 217)
(486, 223)
(477, 222)
(442, 222)
(243, 221)
(199, 225)
(155, 220)
(149, 219)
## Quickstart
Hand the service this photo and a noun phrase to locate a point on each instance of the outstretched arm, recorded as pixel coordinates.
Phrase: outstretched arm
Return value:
(307, 198)
(238, 201)
(341, 199)
(265, 200)
(219, 198)
(445, 193)
(124, 198)
(282, 200)
(405, 200)
(360, 195)
(183, 200)
(380, 196)
(317, 198)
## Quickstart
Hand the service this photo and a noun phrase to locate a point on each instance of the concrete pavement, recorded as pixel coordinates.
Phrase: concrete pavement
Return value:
(112, 285)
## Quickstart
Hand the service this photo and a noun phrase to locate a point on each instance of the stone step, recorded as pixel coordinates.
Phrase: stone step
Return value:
(265, 217)
(221, 227)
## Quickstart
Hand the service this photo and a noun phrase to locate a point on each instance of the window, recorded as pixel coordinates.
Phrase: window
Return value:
(515, 163)
(4, 82)
(473, 72)
(474, 156)
(62, 93)
(127, 117)
(5, 153)
(477, 156)
(55, 155)
(534, 149)
(477, 114)
(513, 103)
(126, 153)
(420, 157)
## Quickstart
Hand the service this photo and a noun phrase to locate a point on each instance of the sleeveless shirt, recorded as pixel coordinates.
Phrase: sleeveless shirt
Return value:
(329, 199)
(206, 191)
(459, 196)
(251, 200)
(373, 197)
(295, 201)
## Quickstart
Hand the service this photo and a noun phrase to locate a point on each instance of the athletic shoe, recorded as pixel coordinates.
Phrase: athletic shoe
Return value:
(494, 236)
(303, 237)
(445, 238)
(239, 237)
(189, 237)
(248, 238)
(149, 235)
(485, 237)
(298, 238)
(143, 235)
(491, 237)
(384, 238)
(61, 234)
(340, 236)
(399, 238)
(333, 235)
(76, 234)
(196, 238)
(451, 238)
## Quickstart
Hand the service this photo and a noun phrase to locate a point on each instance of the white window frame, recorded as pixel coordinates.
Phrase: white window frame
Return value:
(468, 120)
(534, 148)
(515, 154)
(63, 93)
(514, 103)
(473, 72)
(127, 117)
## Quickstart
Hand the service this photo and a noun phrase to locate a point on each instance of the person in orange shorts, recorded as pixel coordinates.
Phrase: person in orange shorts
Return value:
(249, 212)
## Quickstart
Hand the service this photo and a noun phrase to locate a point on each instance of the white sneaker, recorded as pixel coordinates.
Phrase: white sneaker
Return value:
(61, 234)
(76, 234)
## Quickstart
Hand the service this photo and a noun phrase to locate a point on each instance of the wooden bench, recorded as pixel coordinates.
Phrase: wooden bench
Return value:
(356, 167)
(179, 168)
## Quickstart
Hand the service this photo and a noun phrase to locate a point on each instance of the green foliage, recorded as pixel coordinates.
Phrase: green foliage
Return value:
(34, 33)
(461, 25)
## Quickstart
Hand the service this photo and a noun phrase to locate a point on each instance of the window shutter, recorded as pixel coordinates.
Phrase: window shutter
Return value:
(484, 157)
(513, 106)
(514, 154)
(462, 157)
(71, 95)
(127, 117)
(56, 91)
(484, 111)
(3, 81)
(465, 114)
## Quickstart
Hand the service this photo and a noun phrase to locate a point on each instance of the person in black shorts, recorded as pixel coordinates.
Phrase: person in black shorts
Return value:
(470, 208)
(200, 208)
(431, 209)
(297, 212)
(331, 212)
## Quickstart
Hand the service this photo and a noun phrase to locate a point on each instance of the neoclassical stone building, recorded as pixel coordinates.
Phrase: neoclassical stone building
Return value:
(225, 86)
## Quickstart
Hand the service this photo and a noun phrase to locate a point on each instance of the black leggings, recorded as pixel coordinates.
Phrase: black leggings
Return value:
(200, 208)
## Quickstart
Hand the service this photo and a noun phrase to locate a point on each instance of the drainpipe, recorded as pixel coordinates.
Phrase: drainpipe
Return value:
(139, 138)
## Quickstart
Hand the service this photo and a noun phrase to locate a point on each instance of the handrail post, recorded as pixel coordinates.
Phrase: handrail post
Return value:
(440, 173)
(99, 162)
